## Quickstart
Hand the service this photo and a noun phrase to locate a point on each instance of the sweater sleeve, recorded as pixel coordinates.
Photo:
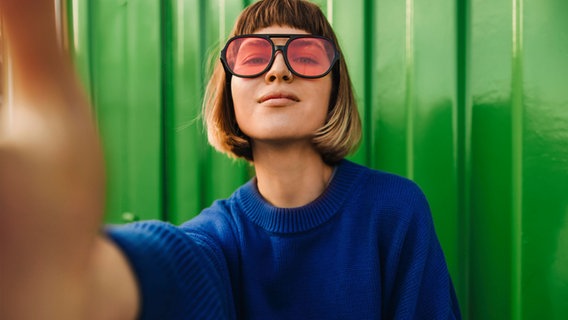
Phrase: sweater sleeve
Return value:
(418, 282)
(178, 279)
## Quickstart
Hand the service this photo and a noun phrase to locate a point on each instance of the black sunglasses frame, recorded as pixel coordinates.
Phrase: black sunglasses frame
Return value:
(275, 49)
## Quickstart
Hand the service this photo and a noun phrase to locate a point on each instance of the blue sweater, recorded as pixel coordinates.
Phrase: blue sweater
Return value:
(365, 249)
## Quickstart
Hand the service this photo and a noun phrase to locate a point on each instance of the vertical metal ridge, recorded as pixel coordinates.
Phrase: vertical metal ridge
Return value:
(166, 116)
(462, 142)
(75, 25)
(368, 57)
(517, 159)
(409, 81)
(128, 34)
(180, 32)
(330, 11)
(203, 158)
(222, 23)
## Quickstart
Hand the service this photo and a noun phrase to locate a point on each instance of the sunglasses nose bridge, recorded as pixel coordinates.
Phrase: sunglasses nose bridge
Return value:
(281, 49)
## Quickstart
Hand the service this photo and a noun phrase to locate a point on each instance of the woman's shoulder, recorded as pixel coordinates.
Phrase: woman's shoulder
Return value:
(220, 214)
(219, 224)
(382, 183)
(391, 199)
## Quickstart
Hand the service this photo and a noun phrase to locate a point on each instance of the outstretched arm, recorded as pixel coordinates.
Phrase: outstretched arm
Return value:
(53, 263)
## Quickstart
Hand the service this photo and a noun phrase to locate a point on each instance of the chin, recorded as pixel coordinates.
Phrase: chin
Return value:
(282, 139)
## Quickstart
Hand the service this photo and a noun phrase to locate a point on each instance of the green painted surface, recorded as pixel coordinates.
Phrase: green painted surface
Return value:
(222, 175)
(468, 98)
(543, 237)
(185, 143)
(120, 58)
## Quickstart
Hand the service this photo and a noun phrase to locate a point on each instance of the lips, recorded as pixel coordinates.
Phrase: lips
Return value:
(277, 96)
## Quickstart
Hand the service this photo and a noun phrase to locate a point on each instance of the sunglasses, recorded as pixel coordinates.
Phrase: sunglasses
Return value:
(306, 56)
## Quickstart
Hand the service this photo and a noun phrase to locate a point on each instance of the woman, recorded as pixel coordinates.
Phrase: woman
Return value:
(312, 236)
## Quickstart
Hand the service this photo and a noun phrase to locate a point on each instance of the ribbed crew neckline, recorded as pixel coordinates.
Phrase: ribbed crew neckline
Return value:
(293, 220)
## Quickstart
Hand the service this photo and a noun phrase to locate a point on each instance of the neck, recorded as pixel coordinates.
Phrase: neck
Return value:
(291, 175)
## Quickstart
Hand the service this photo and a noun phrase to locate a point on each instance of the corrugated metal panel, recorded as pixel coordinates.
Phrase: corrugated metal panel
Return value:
(195, 174)
(468, 98)
(413, 106)
(543, 215)
(119, 54)
(491, 161)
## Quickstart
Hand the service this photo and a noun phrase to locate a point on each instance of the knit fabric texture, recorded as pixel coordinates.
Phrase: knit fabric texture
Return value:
(365, 249)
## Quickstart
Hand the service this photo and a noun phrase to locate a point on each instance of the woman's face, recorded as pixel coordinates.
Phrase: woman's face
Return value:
(278, 106)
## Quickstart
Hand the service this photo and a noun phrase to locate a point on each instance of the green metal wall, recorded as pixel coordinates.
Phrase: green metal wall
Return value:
(468, 98)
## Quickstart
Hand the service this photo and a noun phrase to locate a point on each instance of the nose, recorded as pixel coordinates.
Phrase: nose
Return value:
(279, 70)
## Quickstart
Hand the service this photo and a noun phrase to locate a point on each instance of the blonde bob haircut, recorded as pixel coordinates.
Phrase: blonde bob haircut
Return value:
(341, 133)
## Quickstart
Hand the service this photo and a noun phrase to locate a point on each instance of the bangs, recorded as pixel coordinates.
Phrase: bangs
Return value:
(302, 15)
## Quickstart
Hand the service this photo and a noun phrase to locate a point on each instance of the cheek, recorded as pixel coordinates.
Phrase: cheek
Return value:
(241, 95)
(235, 92)
(325, 98)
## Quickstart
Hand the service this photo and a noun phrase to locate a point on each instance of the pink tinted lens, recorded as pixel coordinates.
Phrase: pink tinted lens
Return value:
(248, 56)
(310, 57)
